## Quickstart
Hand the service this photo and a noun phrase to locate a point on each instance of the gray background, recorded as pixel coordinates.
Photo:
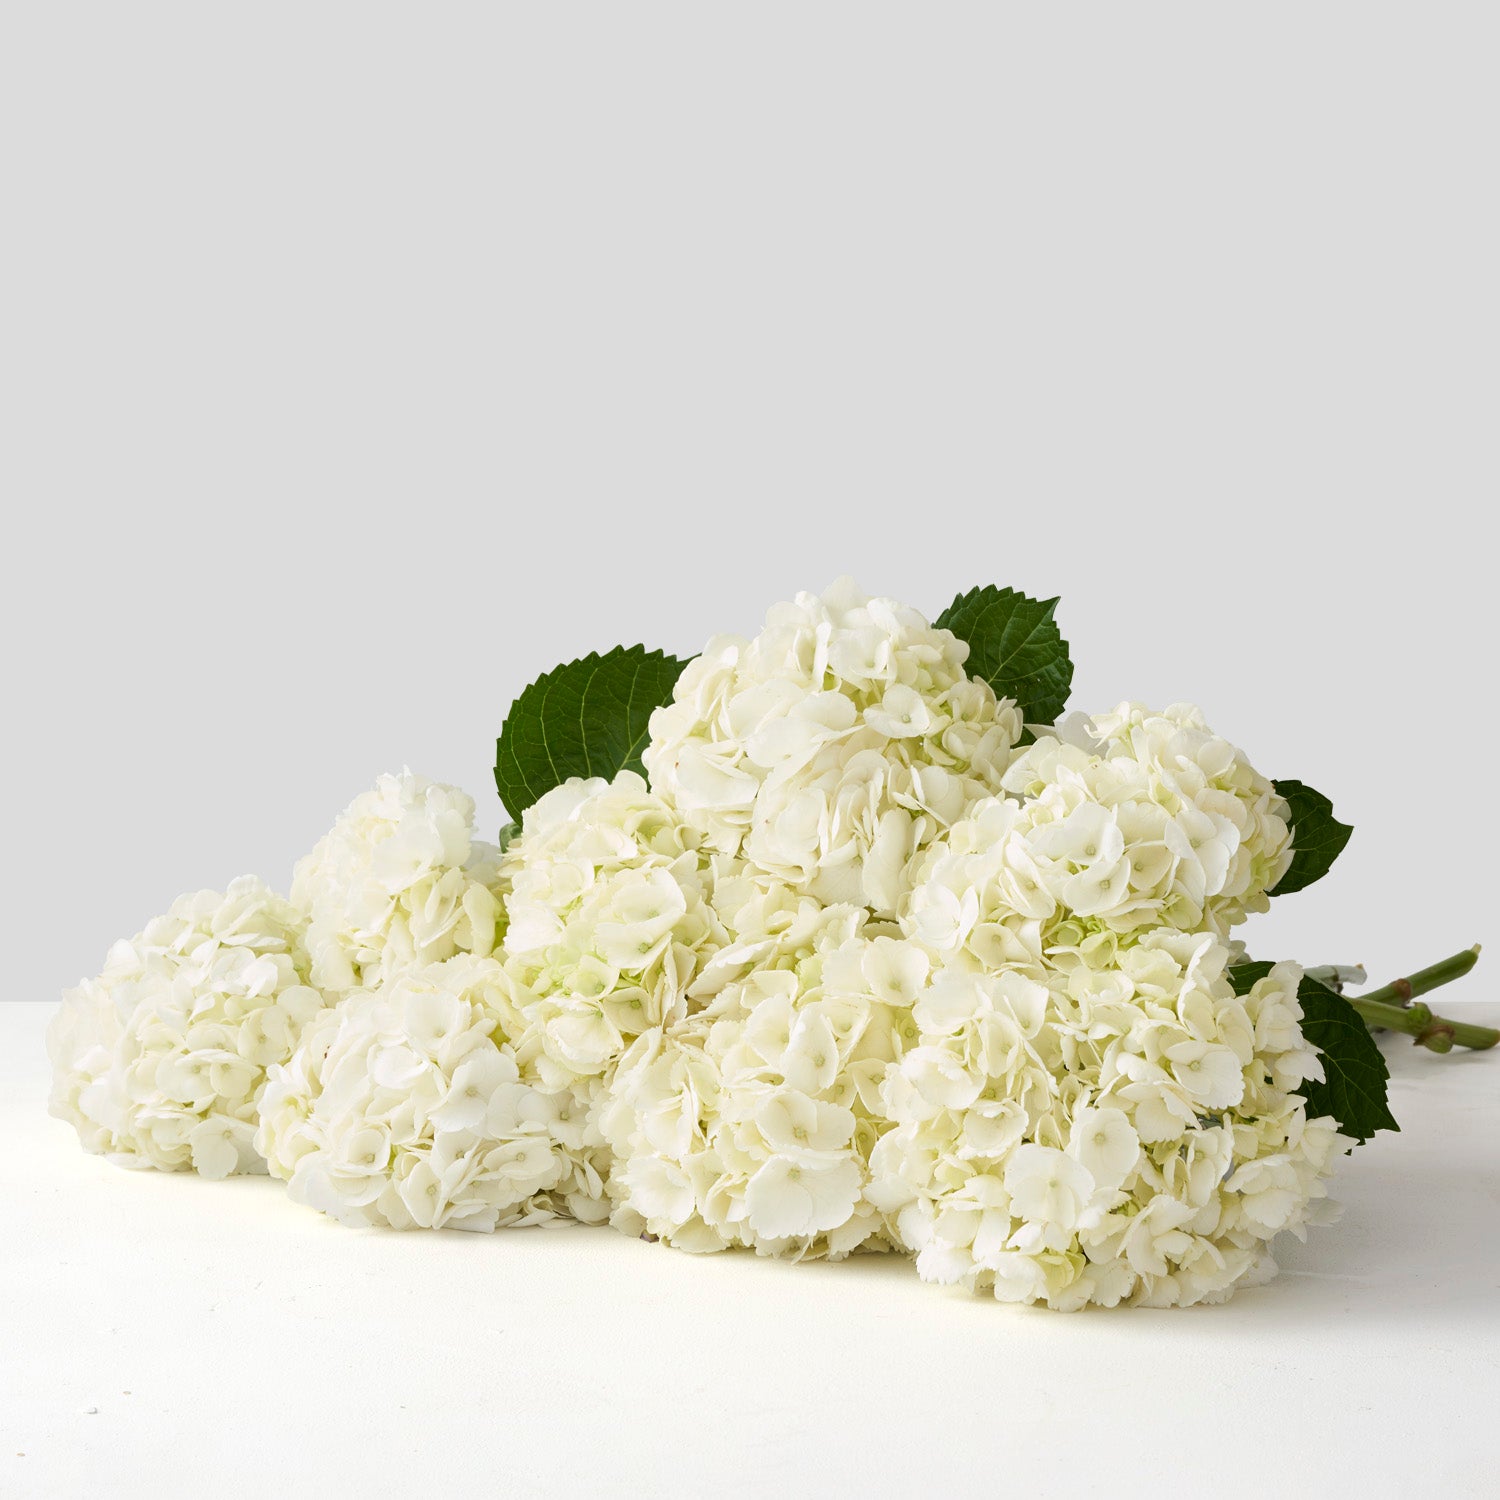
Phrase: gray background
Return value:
(357, 365)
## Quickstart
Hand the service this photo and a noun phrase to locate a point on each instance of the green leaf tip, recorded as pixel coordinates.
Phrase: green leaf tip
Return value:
(1015, 645)
(1318, 838)
(590, 717)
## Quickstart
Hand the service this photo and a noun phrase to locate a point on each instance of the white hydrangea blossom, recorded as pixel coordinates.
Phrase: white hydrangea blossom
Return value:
(405, 1107)
(1140, 818)
(160, 1061)
(830, 748)
(398, 881)
(609, 926)
(752, 1123)
(1130, 820)
(1093, 1135)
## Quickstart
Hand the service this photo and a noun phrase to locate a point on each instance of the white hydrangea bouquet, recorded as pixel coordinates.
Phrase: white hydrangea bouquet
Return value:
(837, 939)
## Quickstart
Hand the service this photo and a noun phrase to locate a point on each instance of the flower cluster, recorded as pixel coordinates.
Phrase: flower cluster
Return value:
(1137, 819)
(399, 880)
(853, 970)
(753, 1123)
(1075, 1135)
(404, 1106)
(833, 746)
(608, 927)
(160, 1061)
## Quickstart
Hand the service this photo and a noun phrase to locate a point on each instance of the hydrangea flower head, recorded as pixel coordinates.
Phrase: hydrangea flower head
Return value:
(1109, 828)
(752, 1123)
(160, 1061)
(398, 881)
(1075, 1135)
(831, 747)
(609, 926)
(404, 1106)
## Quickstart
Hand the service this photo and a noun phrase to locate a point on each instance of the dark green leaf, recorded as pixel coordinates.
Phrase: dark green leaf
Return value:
(1244, 977)
(1014, 644)
(585, 718)
(1355, 1076)
(1318, 838)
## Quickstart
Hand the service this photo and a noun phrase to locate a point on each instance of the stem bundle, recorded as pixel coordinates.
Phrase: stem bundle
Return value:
(1394, 1007)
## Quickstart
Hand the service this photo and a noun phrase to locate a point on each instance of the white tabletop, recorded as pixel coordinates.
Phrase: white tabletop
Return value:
(172, 1337)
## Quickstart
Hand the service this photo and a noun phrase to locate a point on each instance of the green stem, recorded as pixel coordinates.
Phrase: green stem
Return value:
(1390, 1008)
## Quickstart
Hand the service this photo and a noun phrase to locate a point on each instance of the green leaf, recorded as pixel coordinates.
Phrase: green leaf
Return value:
(1244, 977)
(1355, 1075)
(1014, 644)
(585, 718)
(1318, 838)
